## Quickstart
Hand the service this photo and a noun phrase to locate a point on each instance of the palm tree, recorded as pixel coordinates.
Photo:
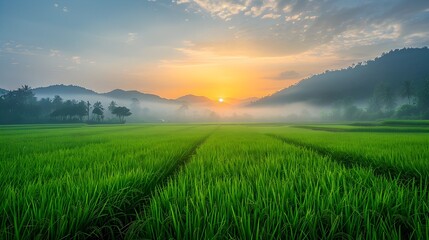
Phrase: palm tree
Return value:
(98, 111)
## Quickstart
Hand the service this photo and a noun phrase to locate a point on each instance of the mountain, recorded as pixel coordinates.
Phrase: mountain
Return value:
(75, 92)
(81, 93)
(62, 90)
(127, 95)
(357, 83)
(241, 102)
(193, 99)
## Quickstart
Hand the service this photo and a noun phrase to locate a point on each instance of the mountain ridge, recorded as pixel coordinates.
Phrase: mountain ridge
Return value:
(61, 89)
(194, 99)
(356, 83)
(131, 94)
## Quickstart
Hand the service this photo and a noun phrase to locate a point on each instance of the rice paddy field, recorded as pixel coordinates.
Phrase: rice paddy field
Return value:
(215, 181)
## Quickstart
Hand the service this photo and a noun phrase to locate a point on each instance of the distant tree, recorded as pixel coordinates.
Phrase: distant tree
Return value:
(88, 108)
(98, 111)
(382, 98)
(57, 101)
(46, 106)
(388, 98)
(81, 110)
(112, 106)
(3, 110)
(423, 100)
(71, 110)
(375, 104)
(19, 106)
(407, 90)
(408, 111)
(121, 113)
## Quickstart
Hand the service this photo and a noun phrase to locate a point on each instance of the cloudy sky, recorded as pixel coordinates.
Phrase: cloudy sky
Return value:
(217, 48)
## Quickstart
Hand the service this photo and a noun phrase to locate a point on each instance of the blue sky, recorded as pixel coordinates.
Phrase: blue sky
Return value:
(216, 48)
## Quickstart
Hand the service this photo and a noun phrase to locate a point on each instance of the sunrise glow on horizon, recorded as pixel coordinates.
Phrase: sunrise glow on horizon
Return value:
(234, 49)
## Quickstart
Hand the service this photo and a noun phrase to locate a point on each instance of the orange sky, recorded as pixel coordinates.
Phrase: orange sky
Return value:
(209, 74)
(216, 48)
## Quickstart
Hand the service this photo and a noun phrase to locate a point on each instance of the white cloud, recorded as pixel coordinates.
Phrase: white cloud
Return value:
(271, 16)
(54, 53)
(369, 35)
(293, 18)
(287, 9)
(65, 9)
(56, 5)
(223, 9)
(76, 59)
(13, 47)
(226, 9)
(308, 24)
(416, 37)
(131, 37)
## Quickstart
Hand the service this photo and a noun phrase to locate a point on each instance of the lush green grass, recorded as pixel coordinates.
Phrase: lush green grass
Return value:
(70, 182)
(398, 154)
(259, 181)
(245, 185)
(406, 123)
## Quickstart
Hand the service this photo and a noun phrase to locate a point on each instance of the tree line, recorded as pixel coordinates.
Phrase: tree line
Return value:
(408, 102)
(21, 106)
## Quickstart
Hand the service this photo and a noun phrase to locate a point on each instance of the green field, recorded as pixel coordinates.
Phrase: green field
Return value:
(214, 181)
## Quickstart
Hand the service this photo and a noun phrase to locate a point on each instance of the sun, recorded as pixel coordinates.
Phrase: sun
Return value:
(220, 100)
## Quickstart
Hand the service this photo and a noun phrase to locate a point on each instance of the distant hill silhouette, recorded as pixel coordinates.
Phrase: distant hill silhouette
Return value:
(72, 91)
(241, 102)
(63, 90)
(122, 94)
(357, 83)
(193, 99)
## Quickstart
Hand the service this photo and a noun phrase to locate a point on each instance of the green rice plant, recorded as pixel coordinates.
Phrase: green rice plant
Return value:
(394, 154)
(245, 185)
(110, 181)
(406, 123)
(67, 183)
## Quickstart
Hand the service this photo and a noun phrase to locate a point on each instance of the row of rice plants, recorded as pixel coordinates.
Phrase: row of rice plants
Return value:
(246, 185)
(24, 140)
(397, 154)
(68, 191)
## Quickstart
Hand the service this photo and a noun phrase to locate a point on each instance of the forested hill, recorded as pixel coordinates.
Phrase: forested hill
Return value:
(71, 92)
(357, 83)
(62, 90)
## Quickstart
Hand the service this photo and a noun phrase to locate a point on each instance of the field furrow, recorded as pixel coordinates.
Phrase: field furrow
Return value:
(350, 160)
(212, 181)
(246, 185)
(163, 177)
(393, 155)
(89, 191)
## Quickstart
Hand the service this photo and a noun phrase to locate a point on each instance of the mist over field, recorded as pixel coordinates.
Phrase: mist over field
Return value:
(387, 87)
(214, 119)
(176, 111)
